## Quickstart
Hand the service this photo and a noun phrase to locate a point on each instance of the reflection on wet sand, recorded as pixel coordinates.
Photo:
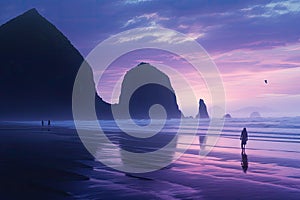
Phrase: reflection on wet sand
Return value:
(244, 162)
(201, 141)
(244, 159)
(151, 153)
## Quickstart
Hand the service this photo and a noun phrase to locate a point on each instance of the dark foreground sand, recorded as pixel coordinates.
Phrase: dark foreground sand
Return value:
(37, 163)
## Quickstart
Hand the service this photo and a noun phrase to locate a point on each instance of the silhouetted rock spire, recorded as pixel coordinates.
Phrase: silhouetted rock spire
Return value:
(202, 110)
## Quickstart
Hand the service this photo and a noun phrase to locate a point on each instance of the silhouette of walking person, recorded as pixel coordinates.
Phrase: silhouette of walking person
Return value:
(244, 162)
(49, 123)
(244, 138)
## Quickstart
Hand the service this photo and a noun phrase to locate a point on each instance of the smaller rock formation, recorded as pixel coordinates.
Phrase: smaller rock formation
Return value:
(189, 117)
(255, 115)
(227, 116)
(202, 113)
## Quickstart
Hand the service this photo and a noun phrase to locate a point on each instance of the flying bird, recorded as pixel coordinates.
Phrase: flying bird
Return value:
(266, 81)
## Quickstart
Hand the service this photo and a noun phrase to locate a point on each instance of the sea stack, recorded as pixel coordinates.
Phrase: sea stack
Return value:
(227, 116)
(255, 115)
(203, 114)
(144, 86)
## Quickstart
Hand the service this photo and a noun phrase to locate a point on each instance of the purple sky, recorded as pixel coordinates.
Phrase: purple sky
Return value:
(248, 40)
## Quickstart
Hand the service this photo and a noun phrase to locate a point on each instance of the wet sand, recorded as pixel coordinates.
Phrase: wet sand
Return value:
(38, 163)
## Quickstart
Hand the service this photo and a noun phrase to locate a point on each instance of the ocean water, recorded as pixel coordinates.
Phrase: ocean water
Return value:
(279, 137)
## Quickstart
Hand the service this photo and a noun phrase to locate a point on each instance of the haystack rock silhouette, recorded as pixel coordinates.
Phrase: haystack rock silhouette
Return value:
(144, 86)
(37, 71)
(203, 114)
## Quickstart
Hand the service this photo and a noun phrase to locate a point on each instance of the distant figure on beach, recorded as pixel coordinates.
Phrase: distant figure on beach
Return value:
(42, 122)
(244, 162)
(49, 123)
(244, 138)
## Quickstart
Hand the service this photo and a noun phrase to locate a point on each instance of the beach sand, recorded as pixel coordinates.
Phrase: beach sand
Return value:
(51, 163)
